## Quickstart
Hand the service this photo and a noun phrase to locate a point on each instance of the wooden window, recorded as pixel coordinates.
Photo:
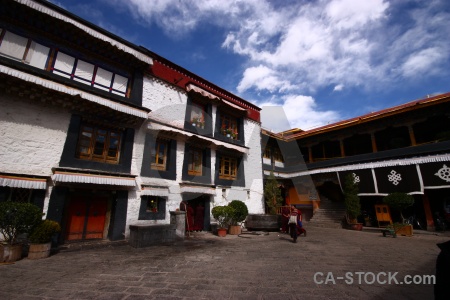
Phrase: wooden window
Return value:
(228, 126)
(87, 73)
(29, 52)
(159, 155)
(195, 159)
(23, 49)
(277, 156)
(228, 168)
(197, 117)
(99, 144)
(20, 195)
(153, 203)
(267, 153)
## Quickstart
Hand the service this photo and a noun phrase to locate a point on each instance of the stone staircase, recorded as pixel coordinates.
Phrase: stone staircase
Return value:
(329, 215)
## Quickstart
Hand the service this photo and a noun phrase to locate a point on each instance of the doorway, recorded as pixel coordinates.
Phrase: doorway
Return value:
(197, 213)
(86, 217)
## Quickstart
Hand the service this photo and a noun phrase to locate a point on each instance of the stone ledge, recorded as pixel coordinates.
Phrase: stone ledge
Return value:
(150, 235)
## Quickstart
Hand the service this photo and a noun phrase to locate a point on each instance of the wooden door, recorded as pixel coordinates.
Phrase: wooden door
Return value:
(76, 219)
(86, 218)
(383, 214)
(96, 218)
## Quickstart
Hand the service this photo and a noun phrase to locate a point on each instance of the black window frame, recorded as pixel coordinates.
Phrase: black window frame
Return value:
(206, 166)
(170, 171)
(218, 128)
(207, 130)
(69, 154)
(144, 214)
(240, 178)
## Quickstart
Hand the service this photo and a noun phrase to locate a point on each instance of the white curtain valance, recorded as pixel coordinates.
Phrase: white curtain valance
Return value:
(370, 165)
(156, 126)
(199, 90)
(161, 192)
(23, 182)
(234, 105)
(93, 179)
(198, 190)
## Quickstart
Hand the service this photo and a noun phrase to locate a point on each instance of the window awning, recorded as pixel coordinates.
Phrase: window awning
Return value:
(69, 177)
(23, 182)
(152, 191)
(198, 189)
(234, 105)
(74, 92)
(199, 90)
(156, 126)
(409, 175)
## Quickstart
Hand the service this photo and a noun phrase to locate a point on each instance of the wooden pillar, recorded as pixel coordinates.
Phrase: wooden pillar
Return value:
(341, 143)
(428, 213)
(310, 154)
(374, 142)
(412, 137)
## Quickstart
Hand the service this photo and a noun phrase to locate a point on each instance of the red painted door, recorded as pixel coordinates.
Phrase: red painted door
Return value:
(76, 219)
(96, 218)
(86, 218)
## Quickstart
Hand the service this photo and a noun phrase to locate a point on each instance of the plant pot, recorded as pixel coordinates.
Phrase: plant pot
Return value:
(193, 124)
(406, 230)
(234, 229)
(228, 135)
(10, 253)
(356, 226)
(38, 251)
(222, 232)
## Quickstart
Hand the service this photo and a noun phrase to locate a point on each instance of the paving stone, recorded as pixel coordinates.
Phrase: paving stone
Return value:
(252, 267)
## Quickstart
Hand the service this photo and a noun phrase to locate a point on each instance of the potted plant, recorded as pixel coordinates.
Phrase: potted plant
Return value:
(399, 202)
(228, 131)
(238, 214)
(352, 203)
(198, 121)
(41, 239)
(272, 193)
(222, 216)
(15, 219)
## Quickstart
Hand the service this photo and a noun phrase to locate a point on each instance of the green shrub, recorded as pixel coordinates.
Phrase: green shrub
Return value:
(239, 211)
(398, 202)
(351, 198)
(272, 194)
(17, 218)
(42, 233)
(222, 215)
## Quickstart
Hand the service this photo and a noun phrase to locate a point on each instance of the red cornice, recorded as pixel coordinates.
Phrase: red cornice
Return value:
(178, 76)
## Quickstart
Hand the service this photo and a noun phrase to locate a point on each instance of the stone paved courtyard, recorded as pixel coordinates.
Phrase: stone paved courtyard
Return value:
(250, 266)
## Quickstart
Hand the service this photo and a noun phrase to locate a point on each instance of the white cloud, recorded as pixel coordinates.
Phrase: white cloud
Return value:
(338, 88)
(422, 61)
(352, 13)
(301, 112)
(261, 77)
(296, 48)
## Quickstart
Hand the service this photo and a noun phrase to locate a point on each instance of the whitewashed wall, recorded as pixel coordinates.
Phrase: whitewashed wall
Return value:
(32, 136)
(168, 104)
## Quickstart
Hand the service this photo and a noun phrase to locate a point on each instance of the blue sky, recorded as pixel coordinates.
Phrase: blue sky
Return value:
(321, 61)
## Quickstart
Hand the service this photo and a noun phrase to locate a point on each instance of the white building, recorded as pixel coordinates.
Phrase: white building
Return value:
(99, 132)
